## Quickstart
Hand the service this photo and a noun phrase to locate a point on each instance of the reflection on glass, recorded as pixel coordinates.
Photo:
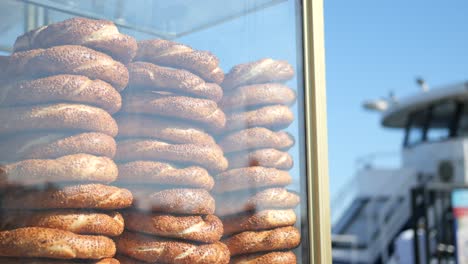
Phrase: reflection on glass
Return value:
(118, 145)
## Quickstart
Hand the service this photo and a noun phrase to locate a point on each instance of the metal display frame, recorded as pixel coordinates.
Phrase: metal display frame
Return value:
(316, 149)
(316, 132)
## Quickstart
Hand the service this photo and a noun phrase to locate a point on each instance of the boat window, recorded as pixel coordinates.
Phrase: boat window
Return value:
(441, 121)
(462, 130)
(416, 127)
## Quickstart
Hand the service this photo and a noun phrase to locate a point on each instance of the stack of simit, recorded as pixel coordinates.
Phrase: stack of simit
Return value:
(59, 89)
(256, 210)
(166, 156)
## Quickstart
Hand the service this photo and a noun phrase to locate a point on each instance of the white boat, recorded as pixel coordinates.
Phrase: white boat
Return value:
(375, 207)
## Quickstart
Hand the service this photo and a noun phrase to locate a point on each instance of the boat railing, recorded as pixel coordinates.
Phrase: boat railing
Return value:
(378, 159)
(386, 195)
(351, 189)
(390, 220)
(432, 209)
(343, 199)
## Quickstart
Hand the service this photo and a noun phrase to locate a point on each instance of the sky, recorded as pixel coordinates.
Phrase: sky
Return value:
(374, 47)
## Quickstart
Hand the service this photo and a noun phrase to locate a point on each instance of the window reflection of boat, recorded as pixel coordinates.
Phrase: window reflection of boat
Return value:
(369, 215)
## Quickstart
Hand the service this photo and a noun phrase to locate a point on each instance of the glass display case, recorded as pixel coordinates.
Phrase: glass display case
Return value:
(163, 132)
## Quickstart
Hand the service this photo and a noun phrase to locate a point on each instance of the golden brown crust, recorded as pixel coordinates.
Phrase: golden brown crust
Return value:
(61, 88)
(14, 66)
(6, 260)
(54, 243)
(101, 35)
(149, 172)
(128, 260)
(144, 75)
(44, 145)
(209, 157)
(92, 196)
(255, 72)
(71, 168)
(272, 198)
(257, 95)
(173, 54)
(57, 117)
(255, 138)
(202, 111)
(206, 229)
(175, 201)
(76, 221)
(250, 178)
(270, 158)
(261, 220)
(252, 242)
(68, 59)
(165, 129)
(158, 250)
(273, 117)
(107, 261)
(279, 257)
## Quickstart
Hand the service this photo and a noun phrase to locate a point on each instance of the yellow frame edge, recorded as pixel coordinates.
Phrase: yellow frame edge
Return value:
(316, 132)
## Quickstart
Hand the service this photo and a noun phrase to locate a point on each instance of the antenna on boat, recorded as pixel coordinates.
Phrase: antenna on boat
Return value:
(392, 97)
(422, 83)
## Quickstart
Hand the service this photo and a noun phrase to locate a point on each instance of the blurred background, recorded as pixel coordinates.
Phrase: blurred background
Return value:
(375, 53)
(374, 48)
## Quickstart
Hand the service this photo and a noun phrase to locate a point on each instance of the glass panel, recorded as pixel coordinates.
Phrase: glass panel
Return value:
(11, 25)
(166, 19)
(172, 151)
